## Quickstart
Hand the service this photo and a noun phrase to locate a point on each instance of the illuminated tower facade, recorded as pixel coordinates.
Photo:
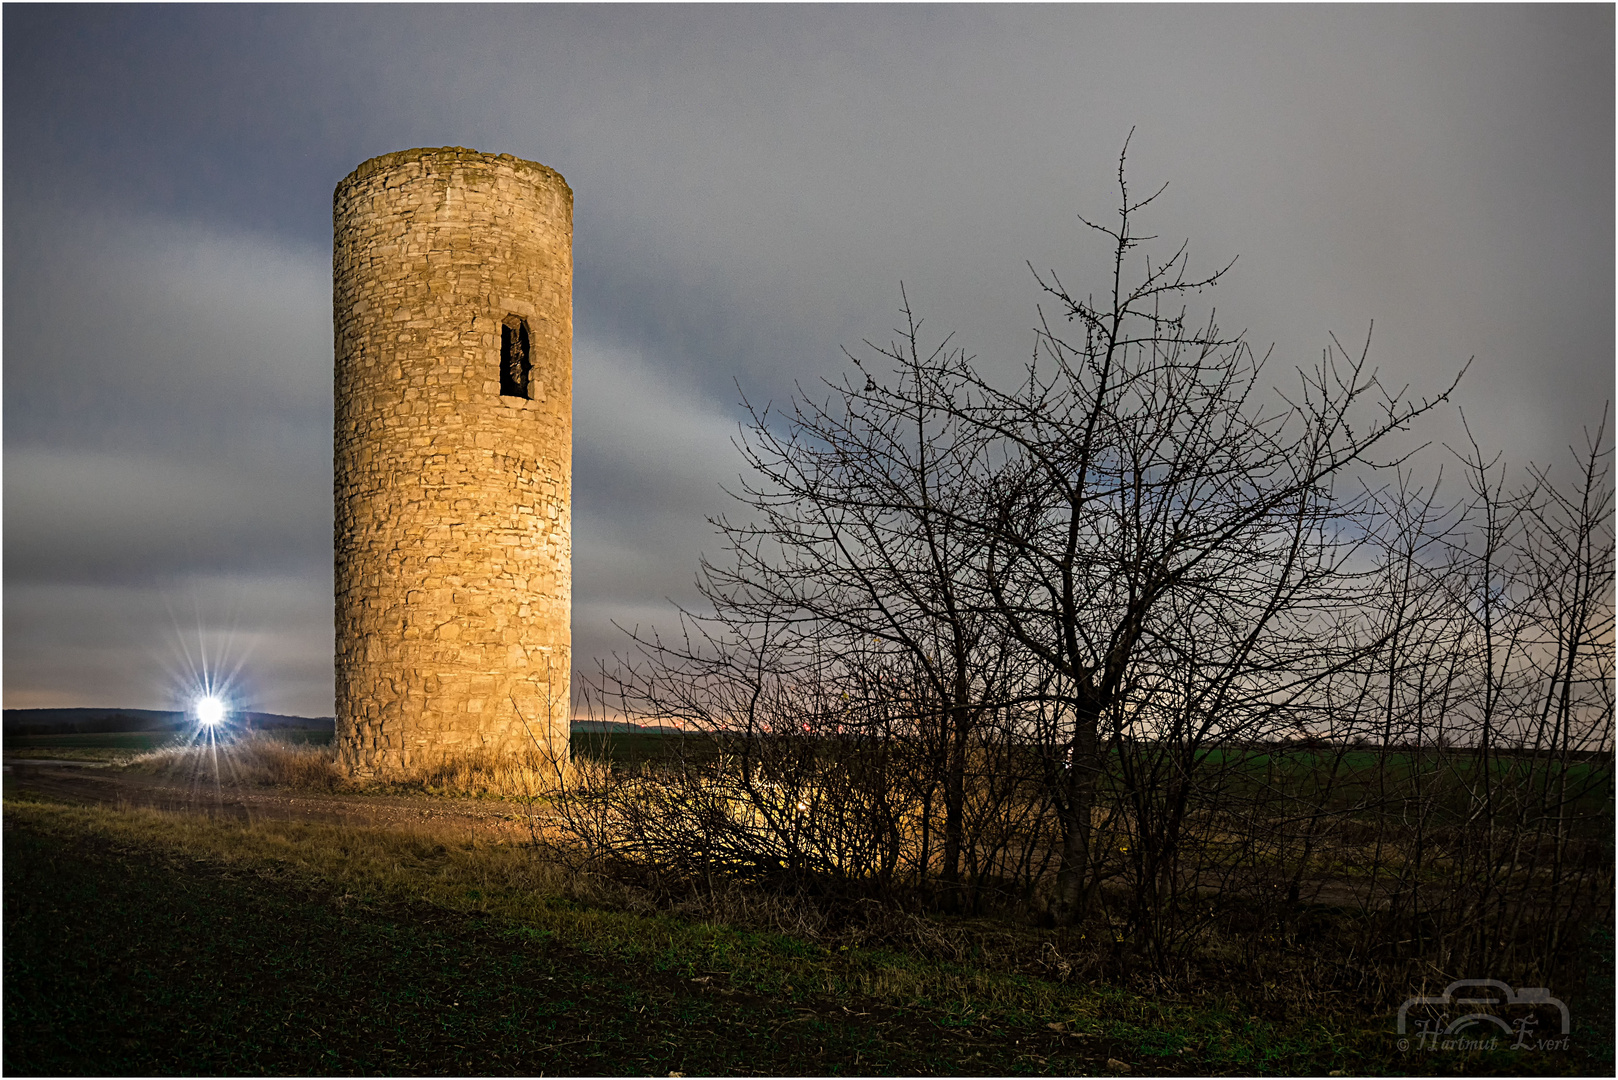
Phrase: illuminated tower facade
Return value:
(452, 307)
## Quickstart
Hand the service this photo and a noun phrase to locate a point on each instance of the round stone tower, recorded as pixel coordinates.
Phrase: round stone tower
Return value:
(452, 304)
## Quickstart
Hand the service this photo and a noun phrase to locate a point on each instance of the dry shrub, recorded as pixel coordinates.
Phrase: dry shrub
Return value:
(261, 758)
(254, 757)
(292, 765)
(806, 818)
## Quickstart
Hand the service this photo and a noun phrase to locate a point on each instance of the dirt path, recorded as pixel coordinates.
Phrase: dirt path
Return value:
(108, 785)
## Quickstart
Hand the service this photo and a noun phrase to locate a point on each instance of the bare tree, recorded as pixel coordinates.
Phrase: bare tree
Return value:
(1168, 545)
(860, 561)
(1143, 634)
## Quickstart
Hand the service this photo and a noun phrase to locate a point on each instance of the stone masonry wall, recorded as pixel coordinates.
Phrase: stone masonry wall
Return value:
(453, 528)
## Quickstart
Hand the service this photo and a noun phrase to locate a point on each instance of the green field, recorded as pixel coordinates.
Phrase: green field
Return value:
(139, 943)
(638, 747)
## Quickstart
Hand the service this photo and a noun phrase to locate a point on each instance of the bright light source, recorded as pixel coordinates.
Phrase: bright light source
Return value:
(210, 711)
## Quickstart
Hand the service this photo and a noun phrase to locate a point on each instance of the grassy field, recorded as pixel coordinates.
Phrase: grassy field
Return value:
(138, 742)
(625, 747)
(143, 943)
(1354, 776)
(638, 747)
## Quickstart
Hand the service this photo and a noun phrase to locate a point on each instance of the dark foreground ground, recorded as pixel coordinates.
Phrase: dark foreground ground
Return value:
(144, 944)
(121, 961)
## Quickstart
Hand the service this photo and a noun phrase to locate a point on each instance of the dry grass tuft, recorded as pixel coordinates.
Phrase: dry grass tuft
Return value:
(255, 757)
(260, 758)
(485, 774)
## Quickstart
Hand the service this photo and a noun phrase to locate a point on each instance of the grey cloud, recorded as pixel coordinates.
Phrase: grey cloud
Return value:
(643, 441)
(78, 517)
(649, 455)
(167, 437)
(167, 402)
(162, 333)
(147, 646)
(751, 186)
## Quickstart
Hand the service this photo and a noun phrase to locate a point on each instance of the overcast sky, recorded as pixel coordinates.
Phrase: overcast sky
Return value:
(751, 186)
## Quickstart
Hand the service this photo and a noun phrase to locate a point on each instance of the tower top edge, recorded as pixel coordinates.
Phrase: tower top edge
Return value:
(451, 155)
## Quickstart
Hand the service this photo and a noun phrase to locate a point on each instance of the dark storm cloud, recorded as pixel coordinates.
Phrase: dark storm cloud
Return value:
(751, 185)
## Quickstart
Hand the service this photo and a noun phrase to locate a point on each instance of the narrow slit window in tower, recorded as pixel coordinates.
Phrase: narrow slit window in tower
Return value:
(515, 364)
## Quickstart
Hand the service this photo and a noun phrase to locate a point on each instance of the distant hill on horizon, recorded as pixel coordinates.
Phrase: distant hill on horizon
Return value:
(88, 720)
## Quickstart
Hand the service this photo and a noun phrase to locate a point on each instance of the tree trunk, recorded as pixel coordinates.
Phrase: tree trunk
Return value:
(1073, 874)
(955, 805)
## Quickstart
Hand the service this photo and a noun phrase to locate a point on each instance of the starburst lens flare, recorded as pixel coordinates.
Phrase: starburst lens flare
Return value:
(210, 711)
